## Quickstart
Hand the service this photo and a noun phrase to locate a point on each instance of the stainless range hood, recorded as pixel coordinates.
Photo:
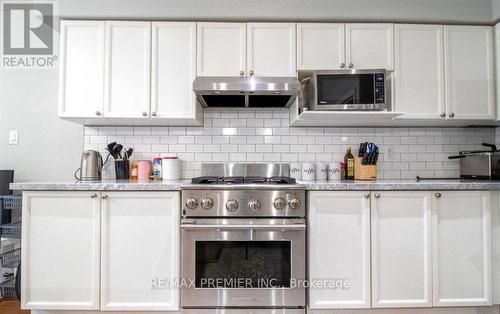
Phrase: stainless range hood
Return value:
(246, 92)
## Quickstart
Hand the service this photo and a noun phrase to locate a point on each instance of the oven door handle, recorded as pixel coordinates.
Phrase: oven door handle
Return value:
(299, 227)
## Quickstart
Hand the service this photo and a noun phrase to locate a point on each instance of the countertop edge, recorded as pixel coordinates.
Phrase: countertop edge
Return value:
(309, 186)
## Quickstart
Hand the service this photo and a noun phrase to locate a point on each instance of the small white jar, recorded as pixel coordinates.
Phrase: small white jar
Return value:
(296, 171)
(321, 172)
(334, 171)
(171, 168)
(308, 171)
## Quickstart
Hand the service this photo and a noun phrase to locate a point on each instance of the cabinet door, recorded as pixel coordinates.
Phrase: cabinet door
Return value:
(60, 251)
(81, 69)
(339, 248)
(461, 229)
(469, 72)
(271, 49)
(370, 46)
(401, 249)
(320, 46)
(127, 69)
(140, 245)
(221, 49)
(419, 71)
(173, 70)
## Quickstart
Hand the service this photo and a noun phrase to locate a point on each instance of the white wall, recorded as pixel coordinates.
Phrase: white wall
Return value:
(50, 148)
(466, 11)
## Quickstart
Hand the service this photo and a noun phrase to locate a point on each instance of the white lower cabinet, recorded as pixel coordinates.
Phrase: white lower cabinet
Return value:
(401, 249)
(339, 248)
(461, 229)
(100, 251)
(427, 248)
(60, 251)
(140, 245)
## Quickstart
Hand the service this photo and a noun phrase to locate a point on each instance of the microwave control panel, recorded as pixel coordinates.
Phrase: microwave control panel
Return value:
(379, 88)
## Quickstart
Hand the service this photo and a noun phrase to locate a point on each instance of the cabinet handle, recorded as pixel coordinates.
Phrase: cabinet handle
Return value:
(451, 115)
(342, 65)
(377, 195)
(442, 115)
(104, 197)
(144, 113)
(97, 113)
(367, 195)
(153, 114)
(93, 195)
(251, 72)
(437, 195)
(351, 65)
(242, 73)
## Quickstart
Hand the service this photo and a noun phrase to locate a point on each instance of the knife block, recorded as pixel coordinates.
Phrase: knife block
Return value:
(364, 172)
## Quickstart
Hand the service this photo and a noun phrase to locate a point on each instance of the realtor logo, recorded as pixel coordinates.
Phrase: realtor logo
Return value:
(28, 34)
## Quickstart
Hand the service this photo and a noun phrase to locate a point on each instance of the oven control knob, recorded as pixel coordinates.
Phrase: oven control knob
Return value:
(294, 203)
(191, 203)
(254, 205)
(232, 205)
(280, 203)
(207, 203)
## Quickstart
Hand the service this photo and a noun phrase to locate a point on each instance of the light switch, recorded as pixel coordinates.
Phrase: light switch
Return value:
(13, 138)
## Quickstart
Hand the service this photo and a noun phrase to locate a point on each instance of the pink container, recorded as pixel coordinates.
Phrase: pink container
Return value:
(143, 170)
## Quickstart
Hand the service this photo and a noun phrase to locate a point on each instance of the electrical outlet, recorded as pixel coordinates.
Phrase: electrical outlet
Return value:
(13, 137)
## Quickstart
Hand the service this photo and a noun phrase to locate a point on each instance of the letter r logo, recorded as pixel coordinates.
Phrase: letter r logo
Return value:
(28, 28)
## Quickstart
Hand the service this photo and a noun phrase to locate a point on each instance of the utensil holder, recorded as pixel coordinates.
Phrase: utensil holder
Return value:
(364, 172)
(122, 169)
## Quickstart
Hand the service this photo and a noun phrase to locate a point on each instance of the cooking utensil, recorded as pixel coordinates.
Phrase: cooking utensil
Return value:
(128, 153)
(117, 149)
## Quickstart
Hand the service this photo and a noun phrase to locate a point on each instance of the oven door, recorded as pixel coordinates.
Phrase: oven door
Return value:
(243, 262)
(350, 90)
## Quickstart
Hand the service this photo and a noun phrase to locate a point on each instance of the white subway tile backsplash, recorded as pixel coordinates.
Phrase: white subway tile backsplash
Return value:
(251, 135)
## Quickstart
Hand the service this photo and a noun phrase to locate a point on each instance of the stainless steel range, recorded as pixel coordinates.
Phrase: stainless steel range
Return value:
(243, 239)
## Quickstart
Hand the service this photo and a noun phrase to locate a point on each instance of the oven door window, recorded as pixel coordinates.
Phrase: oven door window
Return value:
(346, 89)
(243, 264)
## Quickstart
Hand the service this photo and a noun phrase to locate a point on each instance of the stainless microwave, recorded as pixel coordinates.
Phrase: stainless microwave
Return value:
(348, 90)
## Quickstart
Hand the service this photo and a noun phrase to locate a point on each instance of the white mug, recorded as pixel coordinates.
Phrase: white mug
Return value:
(296, 171)
(334, 171)
(308, 171)
(321, 172)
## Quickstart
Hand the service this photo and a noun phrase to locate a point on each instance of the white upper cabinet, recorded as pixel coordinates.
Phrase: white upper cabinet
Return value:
(140, 244)
(60, 251)
(461, 231)
(468, 54)
(370, 46)
(401, 249)
(339, 248)
(81, 69)
(221, 49)
(419, 71)
(320, 46)
(127, 72)
(271, 49)
(173, 70)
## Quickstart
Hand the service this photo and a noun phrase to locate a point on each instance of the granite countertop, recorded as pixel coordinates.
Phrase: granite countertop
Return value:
(126, 185)
(104, 185)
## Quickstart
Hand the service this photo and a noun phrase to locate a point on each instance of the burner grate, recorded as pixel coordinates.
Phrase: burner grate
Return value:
(243, 180)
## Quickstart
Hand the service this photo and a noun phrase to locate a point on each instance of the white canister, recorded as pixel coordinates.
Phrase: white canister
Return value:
(296, 171)
(171, 168)
(321, 172)
(308, 171)
(334, 171)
